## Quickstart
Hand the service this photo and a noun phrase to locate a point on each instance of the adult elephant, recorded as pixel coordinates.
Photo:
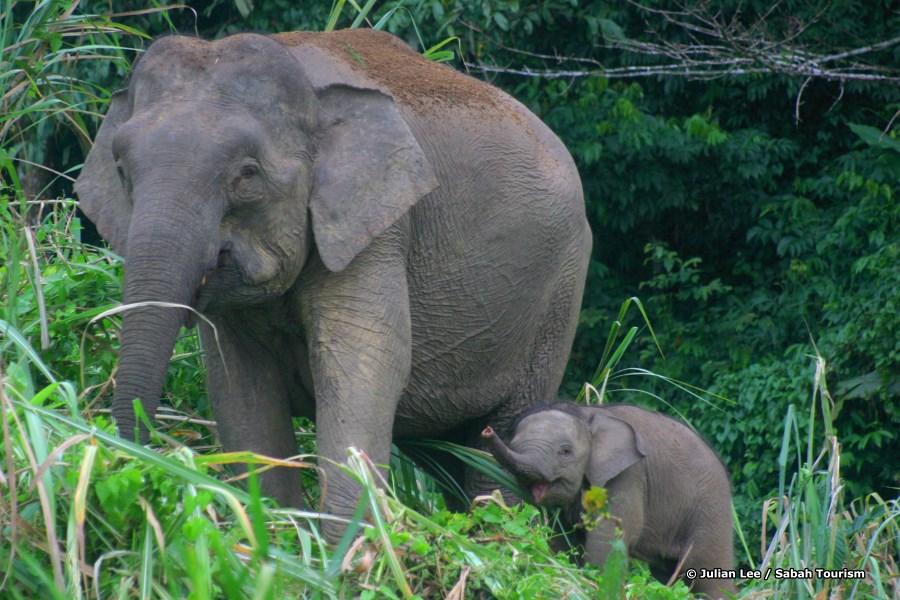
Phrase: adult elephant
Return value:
(382, 243)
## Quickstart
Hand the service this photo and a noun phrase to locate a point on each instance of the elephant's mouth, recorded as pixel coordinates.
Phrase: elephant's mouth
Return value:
(538, 491)
(199, 302)
(205, 294)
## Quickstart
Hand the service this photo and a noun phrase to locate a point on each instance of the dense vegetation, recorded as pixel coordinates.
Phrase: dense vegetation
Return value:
(756, 216)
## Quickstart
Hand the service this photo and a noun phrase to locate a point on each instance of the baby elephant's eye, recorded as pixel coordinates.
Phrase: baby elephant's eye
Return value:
(565, 451)
(248, 171)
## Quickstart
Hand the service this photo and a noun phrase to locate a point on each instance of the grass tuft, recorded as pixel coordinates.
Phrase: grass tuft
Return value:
(808, 526)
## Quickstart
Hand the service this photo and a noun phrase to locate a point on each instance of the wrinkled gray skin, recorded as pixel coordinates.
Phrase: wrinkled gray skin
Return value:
(666, 488)
(384, 251)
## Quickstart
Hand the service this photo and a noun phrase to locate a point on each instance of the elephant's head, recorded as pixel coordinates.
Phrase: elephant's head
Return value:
(221, 170)
(560, 448)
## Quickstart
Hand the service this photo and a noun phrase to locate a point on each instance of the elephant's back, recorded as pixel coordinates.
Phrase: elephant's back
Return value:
(417, 83)
(462, 123)
(671, 438)
(496, 265)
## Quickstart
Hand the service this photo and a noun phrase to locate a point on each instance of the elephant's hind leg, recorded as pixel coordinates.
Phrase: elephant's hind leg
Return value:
(712, 550)
(537, 377)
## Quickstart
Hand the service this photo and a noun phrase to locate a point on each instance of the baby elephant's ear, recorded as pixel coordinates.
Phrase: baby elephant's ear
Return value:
(99, 187)
(615, 447)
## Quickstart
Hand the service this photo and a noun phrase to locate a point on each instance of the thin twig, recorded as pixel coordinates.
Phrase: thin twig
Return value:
(889, 125)
(46, 168)
(798, 102)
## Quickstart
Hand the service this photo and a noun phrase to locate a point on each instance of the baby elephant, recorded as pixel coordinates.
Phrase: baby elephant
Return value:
(667, 490)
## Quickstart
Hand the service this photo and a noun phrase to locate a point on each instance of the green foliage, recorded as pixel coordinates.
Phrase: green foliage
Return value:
(148, 522)
(515, 540)
(50, 62)
(140, 522)
(76, 284)
(613, 352)
(753, 431)
(614, 572)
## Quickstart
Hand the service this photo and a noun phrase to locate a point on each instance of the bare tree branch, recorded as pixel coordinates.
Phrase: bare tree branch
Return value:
(719, 46)
(692, 72)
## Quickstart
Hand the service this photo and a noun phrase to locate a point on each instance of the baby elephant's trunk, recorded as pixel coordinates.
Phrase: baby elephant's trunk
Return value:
(518, 464)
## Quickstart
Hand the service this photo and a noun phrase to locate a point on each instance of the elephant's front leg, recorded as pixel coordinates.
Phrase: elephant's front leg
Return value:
(249, 399)
(358, 335)
(625, 495)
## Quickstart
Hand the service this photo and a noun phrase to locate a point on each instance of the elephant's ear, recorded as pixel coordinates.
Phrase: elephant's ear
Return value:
(615, 447)
(99, 187)
(370, 170)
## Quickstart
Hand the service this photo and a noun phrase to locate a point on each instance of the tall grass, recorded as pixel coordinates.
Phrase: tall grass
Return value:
(810, 525)
(51, 60)
(88, 515)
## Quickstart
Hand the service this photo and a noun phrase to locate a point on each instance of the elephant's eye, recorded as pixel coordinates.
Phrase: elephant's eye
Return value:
(123, 179)
(248, 183)
(565, 451)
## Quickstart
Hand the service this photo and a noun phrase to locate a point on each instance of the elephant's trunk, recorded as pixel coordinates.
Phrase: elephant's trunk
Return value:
(518, 464)
(165, 262)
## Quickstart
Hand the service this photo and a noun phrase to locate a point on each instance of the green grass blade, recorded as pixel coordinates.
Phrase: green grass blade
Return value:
(335, 14)
(362, 13)
(146, 575)
(140, 452)
(15, 337)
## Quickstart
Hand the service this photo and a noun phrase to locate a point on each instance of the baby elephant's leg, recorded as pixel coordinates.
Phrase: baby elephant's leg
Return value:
(597, 540)
(626, 508)
(713, 550)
